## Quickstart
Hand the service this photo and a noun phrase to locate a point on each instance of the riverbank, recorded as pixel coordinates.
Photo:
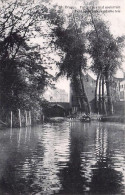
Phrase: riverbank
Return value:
(120, 119)
(2, 124)
(94, 117)
(56, 119)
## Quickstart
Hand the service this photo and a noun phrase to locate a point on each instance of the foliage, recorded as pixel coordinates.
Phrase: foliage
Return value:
(104, 49)
(71, 40)
(22, 76)
(106, 52)
(74, 48)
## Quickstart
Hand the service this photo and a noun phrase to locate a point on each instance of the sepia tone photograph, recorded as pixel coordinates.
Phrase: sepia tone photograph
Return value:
(62, 97)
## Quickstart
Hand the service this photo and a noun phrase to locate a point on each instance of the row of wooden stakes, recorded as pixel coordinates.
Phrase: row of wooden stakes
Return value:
(27, 118)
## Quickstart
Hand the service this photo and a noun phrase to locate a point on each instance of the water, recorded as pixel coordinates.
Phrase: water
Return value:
(63, 158)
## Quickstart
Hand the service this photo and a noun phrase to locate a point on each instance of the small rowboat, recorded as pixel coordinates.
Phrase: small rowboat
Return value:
(85, 119)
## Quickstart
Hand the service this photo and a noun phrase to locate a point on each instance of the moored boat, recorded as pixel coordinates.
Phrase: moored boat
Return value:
(85, 118)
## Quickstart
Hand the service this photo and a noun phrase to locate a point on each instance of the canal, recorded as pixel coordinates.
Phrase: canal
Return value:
(63, 158)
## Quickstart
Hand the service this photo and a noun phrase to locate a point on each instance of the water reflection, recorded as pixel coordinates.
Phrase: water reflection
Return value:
(71, 177)
(105, 179)
(64, 158)
(101, 143)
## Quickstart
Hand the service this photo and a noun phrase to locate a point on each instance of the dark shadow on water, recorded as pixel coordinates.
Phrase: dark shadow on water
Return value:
(105, 180)
(71, 178)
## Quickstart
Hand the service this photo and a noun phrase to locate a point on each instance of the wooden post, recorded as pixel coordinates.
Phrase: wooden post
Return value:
(26, 117)
(20, 118)
(11, 119)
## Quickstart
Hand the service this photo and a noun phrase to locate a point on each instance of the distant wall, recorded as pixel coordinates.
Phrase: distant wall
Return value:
(119, 107)
(89, 85)
(57, 109)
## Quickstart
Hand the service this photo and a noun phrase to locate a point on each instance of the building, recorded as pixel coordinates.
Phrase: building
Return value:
(58, 109)
(89, 85)
(118, 95)
(122, 90)
(56, 95)
(59, 95)
(115, 89)
(118, 89)
(58, 103)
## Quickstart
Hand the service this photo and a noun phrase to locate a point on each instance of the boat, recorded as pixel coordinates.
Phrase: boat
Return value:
(85, 118)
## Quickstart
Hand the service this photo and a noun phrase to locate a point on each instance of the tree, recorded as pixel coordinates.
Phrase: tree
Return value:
(23, 80)
(105, 51)
(22, 76)
(71, 41)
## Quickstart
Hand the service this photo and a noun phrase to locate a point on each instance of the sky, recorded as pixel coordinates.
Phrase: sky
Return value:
(117, 20)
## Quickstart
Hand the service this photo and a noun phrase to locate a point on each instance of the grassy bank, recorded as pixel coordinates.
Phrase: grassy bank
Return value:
(120, 119)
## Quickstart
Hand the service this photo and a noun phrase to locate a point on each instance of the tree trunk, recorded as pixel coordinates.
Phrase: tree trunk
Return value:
(84, 94)
(75, 84)
(96, 96)
(109, 100)
(100, 95)
(103, 97)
